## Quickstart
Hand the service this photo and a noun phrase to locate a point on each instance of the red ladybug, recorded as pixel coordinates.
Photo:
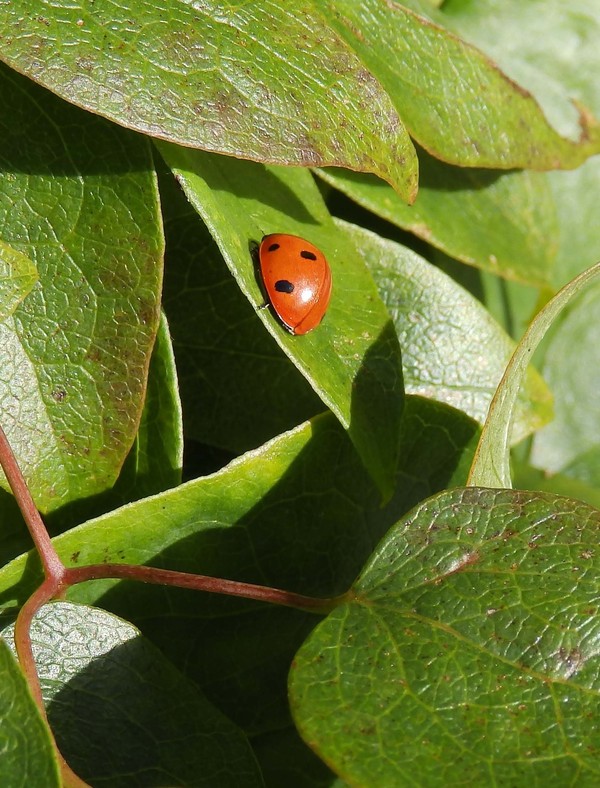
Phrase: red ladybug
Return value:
(297, 279)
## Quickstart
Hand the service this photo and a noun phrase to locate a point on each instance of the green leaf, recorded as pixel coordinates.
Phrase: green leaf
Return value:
(78, 196)
(122, 715)
(18, 275)
(548, 47)
(27, 756)
(299, 513)
(468, 646)
(573, 378)
(504, 223)
(491, 465)
(453, 99)
(580, 479)
(453, 351)
(577, 196)
(238, 388)
(155, 460)
(157, 455)
(258, 80)
(286, 760)
(352, 360)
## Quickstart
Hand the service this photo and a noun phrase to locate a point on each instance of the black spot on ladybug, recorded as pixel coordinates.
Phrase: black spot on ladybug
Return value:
(273, 248)
(308, 255)
(284, 286)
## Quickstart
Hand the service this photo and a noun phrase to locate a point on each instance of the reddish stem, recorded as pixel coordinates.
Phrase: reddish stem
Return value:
(53, 566)
(58, 578)
(40, 596)
(215, 585)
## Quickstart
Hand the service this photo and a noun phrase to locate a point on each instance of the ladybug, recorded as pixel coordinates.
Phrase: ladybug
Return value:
(297, 279)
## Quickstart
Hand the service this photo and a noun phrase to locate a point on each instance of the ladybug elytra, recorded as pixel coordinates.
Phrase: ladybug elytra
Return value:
(297, 279)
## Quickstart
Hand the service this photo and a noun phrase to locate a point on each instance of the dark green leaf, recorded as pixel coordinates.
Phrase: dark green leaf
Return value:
(122, 715)
(467, 650)
(300, 513)
(285, 760)
(157, 455)
(27, 757)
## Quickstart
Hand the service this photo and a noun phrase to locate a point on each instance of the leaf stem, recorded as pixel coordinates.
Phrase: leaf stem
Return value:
(57, 578)
(53, 566)
(216, 585)
(46, 591)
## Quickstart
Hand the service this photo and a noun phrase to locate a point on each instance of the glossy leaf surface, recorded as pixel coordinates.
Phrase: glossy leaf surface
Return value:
(122, 714)
(77, 196)
(27, 755)
(257, 80)
(467, 646)
(352, 360)
(452, 349)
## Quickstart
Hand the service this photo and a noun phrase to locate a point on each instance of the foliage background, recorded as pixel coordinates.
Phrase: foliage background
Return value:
(444, 157)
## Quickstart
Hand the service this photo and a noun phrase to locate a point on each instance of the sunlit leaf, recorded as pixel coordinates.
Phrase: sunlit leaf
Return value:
(466, 650)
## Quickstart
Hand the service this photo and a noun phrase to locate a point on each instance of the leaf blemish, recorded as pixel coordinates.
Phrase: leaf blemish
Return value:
(461, 563)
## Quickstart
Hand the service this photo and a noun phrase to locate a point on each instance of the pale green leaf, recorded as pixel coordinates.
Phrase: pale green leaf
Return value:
(452, 349)
(18, 275)
(574, 378)
(491, 465)
(454, 100)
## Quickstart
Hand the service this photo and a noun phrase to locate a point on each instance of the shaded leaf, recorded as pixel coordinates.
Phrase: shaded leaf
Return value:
(466, 647)
(286, 760)
(26, 750)
(120, 712)
(78, 196)
(258, 80)
(158, 446)
(352, 360)
(504, 223)
(452, 350)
